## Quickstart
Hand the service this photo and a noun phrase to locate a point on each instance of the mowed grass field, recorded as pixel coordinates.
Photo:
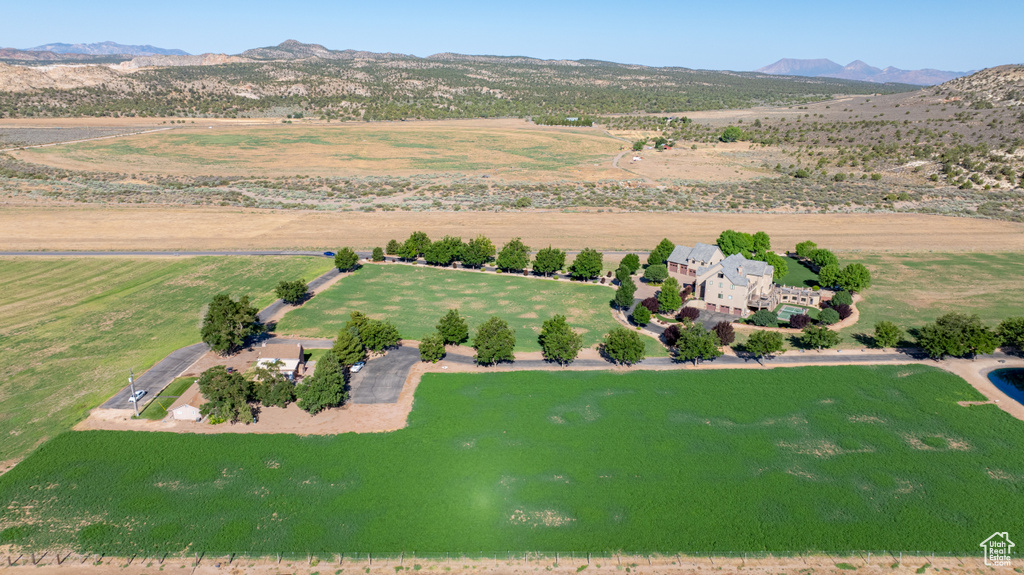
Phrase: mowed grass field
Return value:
(415, 297)
(70, 328)
(501, 147)
(914, 289)
(784, 460)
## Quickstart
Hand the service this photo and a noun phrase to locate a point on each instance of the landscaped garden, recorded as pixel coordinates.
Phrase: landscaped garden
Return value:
(415, 297)
(787, 461)
(157, 409)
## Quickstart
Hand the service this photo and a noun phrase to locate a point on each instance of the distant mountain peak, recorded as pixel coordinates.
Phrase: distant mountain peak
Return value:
(858, 70)
(108, 49)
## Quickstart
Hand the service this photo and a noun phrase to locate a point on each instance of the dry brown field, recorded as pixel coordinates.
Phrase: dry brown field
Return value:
(169, 228)
(504, 149)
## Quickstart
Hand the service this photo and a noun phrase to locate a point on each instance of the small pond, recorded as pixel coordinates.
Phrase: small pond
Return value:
(1010, 381)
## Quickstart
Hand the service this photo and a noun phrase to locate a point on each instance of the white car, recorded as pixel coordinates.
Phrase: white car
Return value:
(137, 396)
(355, 368)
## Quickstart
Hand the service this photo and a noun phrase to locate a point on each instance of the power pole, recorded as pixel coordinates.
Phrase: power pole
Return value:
(131, 383)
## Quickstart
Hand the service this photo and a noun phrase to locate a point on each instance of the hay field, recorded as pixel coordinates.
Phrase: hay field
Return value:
(70, 329)
(172, 228)
(791, 461)
(508, 149)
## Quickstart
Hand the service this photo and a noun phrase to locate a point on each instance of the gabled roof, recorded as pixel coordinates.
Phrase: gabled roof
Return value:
(732, 265)
(700, 252)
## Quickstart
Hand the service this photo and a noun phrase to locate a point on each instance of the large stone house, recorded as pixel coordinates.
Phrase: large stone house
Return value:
(733, 284)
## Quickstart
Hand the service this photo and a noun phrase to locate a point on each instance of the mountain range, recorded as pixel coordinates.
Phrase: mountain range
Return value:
(107, 49)
(858, 70)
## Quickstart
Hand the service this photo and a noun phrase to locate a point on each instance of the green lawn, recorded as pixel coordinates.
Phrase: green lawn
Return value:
(913, 289)
(157, 409)
(415, 298)
(782, 460)
(72, 327)
(798, 274)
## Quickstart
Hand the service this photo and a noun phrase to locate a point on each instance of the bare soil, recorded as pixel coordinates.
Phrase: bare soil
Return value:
(895, 564)
(169, 228)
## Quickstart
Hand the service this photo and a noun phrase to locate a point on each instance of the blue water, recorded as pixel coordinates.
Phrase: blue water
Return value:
(1010, 381)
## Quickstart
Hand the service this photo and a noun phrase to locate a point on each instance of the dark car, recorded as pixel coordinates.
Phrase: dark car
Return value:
(329, 254)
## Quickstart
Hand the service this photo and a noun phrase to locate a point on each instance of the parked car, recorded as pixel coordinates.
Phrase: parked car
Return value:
(329, 254)
(355, 368)
(137, 396)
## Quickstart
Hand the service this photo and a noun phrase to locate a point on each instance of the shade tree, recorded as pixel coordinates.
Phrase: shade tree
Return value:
(558, 341)
(623, 345)
(548, 261)
(494, 342)
(228, 323)
(587, 265)
(514, 256)
(325, 388)
(346, 259)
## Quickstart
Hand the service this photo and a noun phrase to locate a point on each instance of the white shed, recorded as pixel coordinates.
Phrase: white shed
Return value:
(187, 413)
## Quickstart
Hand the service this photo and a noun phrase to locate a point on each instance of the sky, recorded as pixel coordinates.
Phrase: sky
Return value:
(739, 35)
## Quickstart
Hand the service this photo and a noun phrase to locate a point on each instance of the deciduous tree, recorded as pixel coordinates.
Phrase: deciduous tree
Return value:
(661, 252)
(854, 277)
(1011, 330)
(765, 318)
(559, 342)
(624, 295)
(819, 337)
(292, 292)
(346, 259)
(696, 344)
(624, 345)
(726, 332)
(228, 323)
(326, 387)
(828, 316)
(444, 251)
(514, 256)
(452, 328)
(378, 335)
(227, 396)
(763, 343)
(733, 242)
(477, 252)
(494, 342)
(656, 273)
(432, 348)
(887, 334)
(958, 335)
(828, 275)
(822, 257)
(587, 264)
(806, 249)
(641, 315)
(548, 261)
(631, 262)
(271, 387)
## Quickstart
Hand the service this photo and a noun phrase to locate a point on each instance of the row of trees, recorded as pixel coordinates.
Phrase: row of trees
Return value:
(514, 256)
(852, 277)
(961, 335)
(495, 341)
(757, 247)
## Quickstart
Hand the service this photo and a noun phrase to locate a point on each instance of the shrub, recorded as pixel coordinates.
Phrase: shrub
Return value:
(725, 331)
(799, 321)
(841, 298)
(393, 248)
(887, 334)
(432, 348)
(765, 318)
(346, 259)
(651, 304)
(378, 255)
(843, 310)
(671, 334)
(688, 314)
(828, 316)
(641, 315)
(656, 273)
(958, 335)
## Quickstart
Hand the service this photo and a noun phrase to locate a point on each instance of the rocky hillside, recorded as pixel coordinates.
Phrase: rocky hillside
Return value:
(294, 78)
(1000, 86)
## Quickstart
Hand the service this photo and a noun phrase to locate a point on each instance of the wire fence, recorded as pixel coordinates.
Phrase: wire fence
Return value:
(576, 559)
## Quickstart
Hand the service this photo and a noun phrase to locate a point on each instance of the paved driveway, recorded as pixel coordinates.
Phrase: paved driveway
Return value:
(382, 379)
(158, 376)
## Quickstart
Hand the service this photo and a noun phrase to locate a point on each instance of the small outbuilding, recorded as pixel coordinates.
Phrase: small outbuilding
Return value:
(186, 412)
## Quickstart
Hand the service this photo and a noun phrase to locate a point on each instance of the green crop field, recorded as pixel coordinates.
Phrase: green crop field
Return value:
(784, 460)
(913, 289)
(415, 298)
(72, 327)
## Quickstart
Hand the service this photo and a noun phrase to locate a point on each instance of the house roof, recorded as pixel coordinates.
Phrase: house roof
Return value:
(281, 350)
(286, 364)
(732, 265)
(700, 252)
(183, 407)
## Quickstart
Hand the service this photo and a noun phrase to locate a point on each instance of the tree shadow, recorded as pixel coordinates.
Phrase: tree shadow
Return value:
(865, 339)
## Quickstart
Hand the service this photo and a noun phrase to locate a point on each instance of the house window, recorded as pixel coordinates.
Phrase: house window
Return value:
(730, 297)
(719, 296)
